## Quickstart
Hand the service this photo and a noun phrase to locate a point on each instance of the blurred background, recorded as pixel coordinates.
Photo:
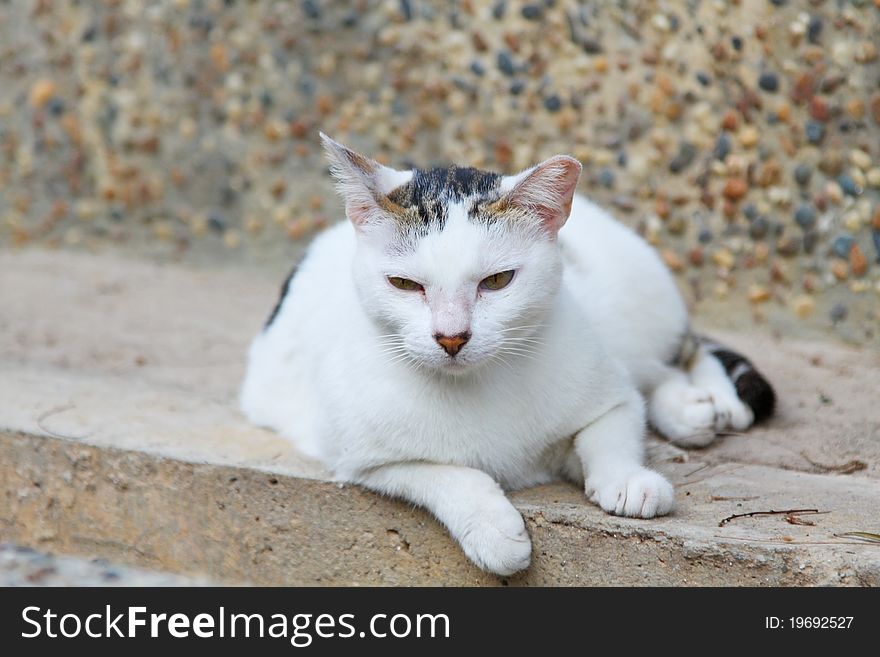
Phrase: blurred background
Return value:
(741, 138)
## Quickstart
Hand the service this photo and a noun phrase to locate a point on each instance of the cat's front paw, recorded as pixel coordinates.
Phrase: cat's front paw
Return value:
(640, 493)
(496, 539)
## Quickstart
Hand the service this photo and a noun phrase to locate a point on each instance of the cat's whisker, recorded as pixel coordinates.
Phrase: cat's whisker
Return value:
(521, 328)
(518, 352)
(533, 338)
(390, 347)
(394, 351)
(402, 360)
(526, 356)
(497, 358)
(400, 355)
(521, 345)
(411, 363)
(512, 353)
(390, 343)
(393, 358)
(524, 342)
(395, 341)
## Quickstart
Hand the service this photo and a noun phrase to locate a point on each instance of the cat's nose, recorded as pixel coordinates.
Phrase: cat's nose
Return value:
(452, 344)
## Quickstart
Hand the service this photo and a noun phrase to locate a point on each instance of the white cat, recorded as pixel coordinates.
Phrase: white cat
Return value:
(450, 341)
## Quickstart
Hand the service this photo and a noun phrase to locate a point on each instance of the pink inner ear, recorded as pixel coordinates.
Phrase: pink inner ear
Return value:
(548, 190)
(358, 212)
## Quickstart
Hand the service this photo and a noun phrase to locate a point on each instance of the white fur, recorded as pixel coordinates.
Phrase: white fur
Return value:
(547, 386)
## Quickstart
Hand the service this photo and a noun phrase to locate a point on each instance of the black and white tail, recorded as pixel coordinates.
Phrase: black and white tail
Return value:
(712, 390)
(752, 387)
(719, 369)
(716, 368)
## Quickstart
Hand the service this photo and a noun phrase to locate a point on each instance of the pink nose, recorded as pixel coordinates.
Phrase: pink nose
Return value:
(452, 344)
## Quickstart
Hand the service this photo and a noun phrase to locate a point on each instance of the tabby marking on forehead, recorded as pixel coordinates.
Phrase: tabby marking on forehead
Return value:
(426, 196)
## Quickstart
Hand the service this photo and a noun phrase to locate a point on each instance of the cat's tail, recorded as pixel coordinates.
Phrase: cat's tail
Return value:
(751, 386)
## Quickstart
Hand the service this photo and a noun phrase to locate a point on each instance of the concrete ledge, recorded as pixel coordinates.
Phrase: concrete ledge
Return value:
(238, 524)
(119, 438)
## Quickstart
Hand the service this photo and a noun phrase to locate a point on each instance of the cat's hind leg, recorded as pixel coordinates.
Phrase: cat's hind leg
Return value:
(720, 390)
(707, 373)
(681, 411)
(468, 502)
(742, 395)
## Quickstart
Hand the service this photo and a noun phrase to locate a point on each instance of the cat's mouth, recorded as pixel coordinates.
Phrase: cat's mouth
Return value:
(445, 364)
(458, 364)
(455, 364)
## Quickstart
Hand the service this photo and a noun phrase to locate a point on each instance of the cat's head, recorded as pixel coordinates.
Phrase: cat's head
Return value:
(458, 267)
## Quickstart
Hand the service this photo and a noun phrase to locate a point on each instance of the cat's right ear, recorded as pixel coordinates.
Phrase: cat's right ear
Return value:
(363, 183)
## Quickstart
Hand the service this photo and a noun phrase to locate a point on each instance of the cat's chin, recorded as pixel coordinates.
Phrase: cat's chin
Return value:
(456, 367)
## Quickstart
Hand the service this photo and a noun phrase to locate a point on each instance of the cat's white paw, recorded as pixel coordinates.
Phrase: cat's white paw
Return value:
(700, 414)
(710, 375)
(691, 421)
(496, 538)
(731, 412)
(640, 493)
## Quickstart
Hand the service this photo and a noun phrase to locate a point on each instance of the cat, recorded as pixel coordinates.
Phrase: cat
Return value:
(452, 340)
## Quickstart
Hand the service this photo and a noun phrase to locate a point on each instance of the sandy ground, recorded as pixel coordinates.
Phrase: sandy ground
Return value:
(143, 356)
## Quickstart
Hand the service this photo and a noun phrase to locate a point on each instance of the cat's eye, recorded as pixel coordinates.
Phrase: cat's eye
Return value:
(405, 284)
(497, 281)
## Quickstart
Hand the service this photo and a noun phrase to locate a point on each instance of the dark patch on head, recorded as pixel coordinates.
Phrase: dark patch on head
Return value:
(284, 289)
(751, 386)
(426, 196)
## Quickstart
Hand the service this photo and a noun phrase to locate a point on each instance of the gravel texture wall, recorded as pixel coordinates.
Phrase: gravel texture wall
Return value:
(741, 138)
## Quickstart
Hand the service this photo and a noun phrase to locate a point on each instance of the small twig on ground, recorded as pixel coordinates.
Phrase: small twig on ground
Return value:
(702, 467)
(55, 411)
(862, 536)
(722, 498)
(710, 475)
(790, 541)
(845, 468)
(788, 513)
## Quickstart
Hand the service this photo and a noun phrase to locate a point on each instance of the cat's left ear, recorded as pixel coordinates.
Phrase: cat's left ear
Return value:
(545, 190)
(363, 183)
